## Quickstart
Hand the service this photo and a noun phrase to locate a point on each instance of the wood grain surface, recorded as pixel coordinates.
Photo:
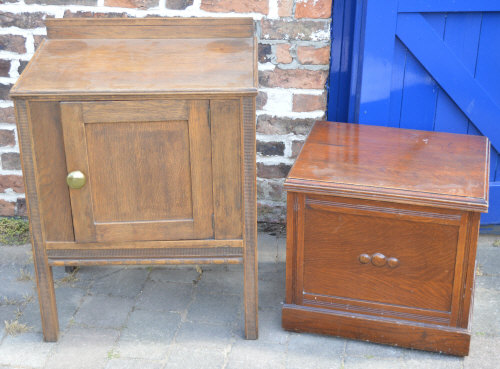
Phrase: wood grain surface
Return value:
(365, 258)
(159, 115)
(88, 66)
(381, 163)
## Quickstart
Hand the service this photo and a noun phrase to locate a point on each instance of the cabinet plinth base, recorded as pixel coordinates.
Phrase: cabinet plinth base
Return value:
(429, 337)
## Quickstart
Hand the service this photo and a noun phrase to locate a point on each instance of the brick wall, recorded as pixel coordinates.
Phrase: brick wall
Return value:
(294, 52)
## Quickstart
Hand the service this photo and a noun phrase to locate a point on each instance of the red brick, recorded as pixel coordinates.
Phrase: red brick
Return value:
(261, 100)
(11, 161)
(275, 213)
(269, 125)
(21, 209)
(7, 209)
(303, 102)
(313, 9)
(272, 170)
(4, 91)
(139, 4)
(247, 6)
(298, 29)
(11, 181)
(178, 4)
(62, 2)
(89, 14)
(285, 8)
(7, 137)
(265, 53)
(38, 40)
(14, 43)
(4, 68)
(22, 20)
(296, 147)
(312, 55)
(270, 148)
(283, 53)
(293, 78)
(277, 191)
(7, 115)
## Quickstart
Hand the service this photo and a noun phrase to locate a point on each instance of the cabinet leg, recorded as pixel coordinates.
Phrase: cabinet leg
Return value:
(47, 300)
(43, 272)
(251, 292)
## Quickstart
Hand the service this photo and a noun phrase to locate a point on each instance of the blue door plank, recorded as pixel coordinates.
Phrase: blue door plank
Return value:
(494, 158)
(397, 83)
(488, 72)
(377, 55)
(450, 73)
(462, 37)
(493, 215)
(413, 6)
(488, 57)
(420, 92)
(334, 90)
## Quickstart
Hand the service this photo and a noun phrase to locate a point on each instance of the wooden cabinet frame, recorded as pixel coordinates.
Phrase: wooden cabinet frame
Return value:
(52, 140)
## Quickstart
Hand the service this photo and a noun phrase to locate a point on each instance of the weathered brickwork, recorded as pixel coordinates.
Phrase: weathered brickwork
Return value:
(293, 55)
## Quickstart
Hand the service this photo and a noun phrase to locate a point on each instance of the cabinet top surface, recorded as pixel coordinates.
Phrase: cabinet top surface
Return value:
(148, 56)
(430, 168)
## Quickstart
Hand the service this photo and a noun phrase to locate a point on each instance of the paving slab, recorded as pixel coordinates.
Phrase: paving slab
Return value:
(173, 273)
(203, 336)
(257, 355)
(124, 283)
(25, 350)
(83, 348)
(176, 317)
(182, 357)
(148, 335)
(486, 313)
(163, 297)
(215, 309)
(357, 362)
(484, 353)
(314, 351)
(270, 326)
(133, 364)
(104, 311)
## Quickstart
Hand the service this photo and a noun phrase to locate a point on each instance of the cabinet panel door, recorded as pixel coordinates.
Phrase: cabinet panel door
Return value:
(147, 166)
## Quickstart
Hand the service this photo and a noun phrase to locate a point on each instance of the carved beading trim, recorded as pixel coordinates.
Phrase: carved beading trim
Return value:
(386, 210)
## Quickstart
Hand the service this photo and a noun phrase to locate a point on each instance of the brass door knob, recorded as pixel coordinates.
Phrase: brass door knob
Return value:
(76, 180)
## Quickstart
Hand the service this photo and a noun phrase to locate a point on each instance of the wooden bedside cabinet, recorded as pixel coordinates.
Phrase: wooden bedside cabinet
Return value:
(137, 139)
(381, 235)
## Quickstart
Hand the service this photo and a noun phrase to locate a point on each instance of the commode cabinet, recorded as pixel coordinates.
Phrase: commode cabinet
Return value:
(382, 233)
(138, 147)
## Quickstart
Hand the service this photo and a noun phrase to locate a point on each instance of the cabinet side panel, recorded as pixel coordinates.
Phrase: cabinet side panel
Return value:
(226, 164)
(250, 206)
(469, 265)
(43, 272)
(51, 165)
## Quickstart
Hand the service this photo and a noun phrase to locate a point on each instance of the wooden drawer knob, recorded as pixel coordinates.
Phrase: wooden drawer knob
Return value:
(378, 259)
(392, 262)
(364, 258)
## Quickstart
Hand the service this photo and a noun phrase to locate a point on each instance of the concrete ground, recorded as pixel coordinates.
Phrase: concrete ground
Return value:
(186, 317)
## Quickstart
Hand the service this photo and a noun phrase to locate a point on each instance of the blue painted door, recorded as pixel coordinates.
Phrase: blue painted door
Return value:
(431, 65)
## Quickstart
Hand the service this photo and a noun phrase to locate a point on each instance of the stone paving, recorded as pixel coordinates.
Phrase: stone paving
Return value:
(188, 317)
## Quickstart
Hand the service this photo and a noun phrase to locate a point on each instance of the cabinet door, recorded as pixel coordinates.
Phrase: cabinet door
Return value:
(147, 166)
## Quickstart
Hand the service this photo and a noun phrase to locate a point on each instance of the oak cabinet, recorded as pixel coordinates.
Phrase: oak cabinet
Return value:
(138, 147)
(382, 232)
